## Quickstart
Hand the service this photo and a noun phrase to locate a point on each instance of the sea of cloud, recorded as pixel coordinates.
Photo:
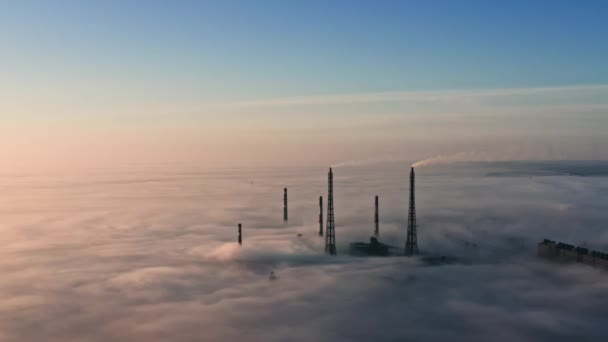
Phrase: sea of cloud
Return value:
(151, 255)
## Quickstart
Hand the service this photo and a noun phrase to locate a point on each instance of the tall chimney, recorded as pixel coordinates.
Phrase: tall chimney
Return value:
(411, 243)
(376, 221)
(285, 204)
(320, 215)
(330, 233)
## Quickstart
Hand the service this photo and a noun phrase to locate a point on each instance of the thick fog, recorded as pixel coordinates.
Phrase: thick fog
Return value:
(151, 255)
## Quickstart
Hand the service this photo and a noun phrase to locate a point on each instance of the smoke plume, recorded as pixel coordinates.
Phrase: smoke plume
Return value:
(456, 158)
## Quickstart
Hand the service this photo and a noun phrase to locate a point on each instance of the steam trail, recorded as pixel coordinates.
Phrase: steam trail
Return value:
(454, 158)
(437, 160)
(463, 157)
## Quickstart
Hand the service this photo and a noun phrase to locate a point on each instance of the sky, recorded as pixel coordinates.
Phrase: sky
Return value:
(234, 82)
(136, 135)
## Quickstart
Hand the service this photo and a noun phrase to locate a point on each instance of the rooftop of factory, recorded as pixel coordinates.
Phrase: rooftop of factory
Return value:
(572, 248)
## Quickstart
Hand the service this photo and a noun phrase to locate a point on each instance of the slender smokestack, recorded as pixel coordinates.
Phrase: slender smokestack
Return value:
(320, 215)
(376, 220)
(411, 243)
(285, 204)
(330, 233)
(240, 235)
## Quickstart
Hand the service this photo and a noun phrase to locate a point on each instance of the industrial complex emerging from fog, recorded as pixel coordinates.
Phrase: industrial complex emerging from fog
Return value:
(374, 247)
(548, 249)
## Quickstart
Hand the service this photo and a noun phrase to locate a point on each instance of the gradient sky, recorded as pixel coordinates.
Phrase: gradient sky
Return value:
(216, 81)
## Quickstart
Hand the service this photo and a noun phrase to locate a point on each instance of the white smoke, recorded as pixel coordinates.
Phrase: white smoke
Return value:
(456, 158)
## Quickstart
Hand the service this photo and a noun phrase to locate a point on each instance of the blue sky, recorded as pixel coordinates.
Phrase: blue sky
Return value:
(167, 78)
(246, 49)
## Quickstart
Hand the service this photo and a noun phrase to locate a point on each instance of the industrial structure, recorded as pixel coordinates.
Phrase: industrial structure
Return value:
(563, 252)
(376, 220)
(330, 232)
(411, 242)
(320, 215)
(374, 247)
(240, 234)
(285, 204)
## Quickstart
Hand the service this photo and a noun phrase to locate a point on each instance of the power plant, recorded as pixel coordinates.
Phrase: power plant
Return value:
(330, 232)
(374, 247)
(548, 249)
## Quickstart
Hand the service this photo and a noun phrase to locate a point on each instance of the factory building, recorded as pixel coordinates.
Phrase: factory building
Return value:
(374, 247)
(563, 252)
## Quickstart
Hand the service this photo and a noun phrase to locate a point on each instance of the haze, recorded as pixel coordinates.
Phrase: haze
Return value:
(136, 135)
(254, 84)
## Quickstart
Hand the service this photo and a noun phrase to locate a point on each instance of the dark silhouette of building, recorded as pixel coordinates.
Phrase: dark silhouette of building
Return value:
(411, 243)
(373, 248)
(320, 215)
(285, 204)
(240, 235)
(330, 233)
(376, 220)
(563, 252)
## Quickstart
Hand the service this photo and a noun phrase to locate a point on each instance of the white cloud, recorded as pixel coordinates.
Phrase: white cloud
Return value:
(422, 96)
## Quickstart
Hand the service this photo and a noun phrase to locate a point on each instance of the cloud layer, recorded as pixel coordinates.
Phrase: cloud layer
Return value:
(151, 256)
